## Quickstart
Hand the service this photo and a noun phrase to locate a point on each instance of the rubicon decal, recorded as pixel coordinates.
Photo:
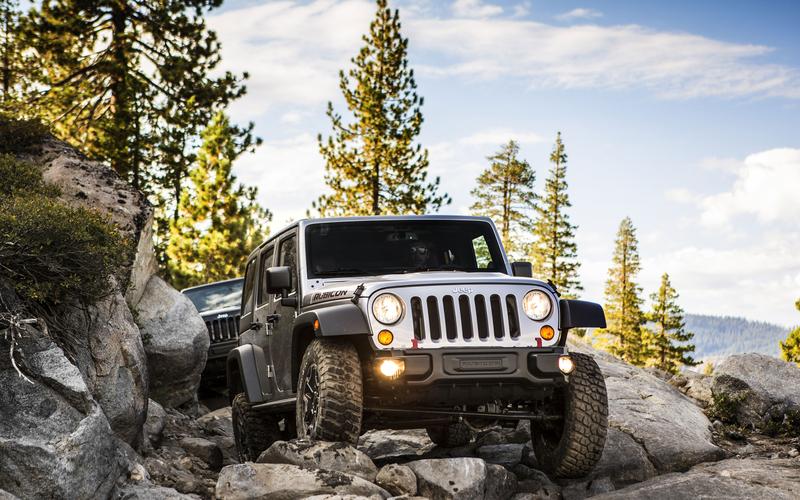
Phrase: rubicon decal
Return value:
(333, 294)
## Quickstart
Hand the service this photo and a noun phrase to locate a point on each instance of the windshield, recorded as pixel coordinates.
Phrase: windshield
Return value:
(386, 247)
(222, 295)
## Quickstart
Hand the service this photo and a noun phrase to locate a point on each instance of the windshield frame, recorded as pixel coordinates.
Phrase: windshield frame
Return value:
(503, 266)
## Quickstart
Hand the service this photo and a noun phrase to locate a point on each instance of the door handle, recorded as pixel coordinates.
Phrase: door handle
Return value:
(256, 326)
(272, 318)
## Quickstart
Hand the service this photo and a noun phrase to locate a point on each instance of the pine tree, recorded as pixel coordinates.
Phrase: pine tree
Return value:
(219, 220)
(11, 57)
(790, 348)
(623, 302)
(669, 349)
(110, 71)
(505, 193)
(372, 165)
(554, 251)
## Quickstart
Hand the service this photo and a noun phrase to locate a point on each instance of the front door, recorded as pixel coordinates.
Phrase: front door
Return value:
(281, 338)
(262, 328)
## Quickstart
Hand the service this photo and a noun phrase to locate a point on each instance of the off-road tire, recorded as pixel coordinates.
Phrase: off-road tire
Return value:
(253, 431)
(450, 436)
(571, 448)
(339, 395)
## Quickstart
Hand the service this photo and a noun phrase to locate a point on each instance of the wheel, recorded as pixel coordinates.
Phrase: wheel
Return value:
(450, 436)
(253, 431)
(572, 446)
(329, 393)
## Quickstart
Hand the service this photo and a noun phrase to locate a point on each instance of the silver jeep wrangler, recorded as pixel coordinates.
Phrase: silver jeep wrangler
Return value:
(350, 324)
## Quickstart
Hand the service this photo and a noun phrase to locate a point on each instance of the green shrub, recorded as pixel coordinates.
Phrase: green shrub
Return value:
(23, 178)
(55, 254)
(724, 407)
(17, 136)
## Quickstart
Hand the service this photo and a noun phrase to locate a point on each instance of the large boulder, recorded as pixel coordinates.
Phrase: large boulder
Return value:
(287, 482)
(112, 359)
(757, 391)
(55, 441)
(765, 479)
(339, 457)
(93, 185)
(176, 342)
(671, 429)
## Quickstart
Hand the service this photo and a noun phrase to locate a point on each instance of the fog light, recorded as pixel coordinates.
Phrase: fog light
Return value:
(385, 337)
(566, 365)
(391, 368)
(547, 332)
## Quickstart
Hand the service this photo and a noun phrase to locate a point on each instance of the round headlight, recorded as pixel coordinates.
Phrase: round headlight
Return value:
(536, 305)
(387, 309)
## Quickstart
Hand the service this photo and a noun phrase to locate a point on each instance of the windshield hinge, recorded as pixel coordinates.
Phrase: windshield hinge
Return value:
(357, 293)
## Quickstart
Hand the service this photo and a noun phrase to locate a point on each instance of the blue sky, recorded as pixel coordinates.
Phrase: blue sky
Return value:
(684, 116)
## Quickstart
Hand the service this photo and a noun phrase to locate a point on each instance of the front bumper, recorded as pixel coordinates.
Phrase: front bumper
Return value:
(453, 376)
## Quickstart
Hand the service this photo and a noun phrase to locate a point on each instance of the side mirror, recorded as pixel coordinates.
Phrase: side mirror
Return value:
(279, 280)
(522, 269)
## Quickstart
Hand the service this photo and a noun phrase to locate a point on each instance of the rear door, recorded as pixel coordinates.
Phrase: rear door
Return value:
(281, 338)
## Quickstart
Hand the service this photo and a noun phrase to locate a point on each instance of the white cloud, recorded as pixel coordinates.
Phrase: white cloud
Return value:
(475, 9)
(672, 65)
(579, 13)
(681, 195)
(767, 186)
(522, 9)
(294, 51)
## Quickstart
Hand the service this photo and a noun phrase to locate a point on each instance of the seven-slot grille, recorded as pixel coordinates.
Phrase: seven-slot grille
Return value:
(451, 318)
(223, 329)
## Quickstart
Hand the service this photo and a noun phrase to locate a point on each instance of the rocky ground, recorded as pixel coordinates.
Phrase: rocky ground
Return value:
(112, 413)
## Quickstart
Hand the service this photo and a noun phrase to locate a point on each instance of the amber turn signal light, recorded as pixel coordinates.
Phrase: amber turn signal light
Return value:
(547, 332)
(385, 337)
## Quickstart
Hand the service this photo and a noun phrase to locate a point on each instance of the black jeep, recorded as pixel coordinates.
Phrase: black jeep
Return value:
(351, 324)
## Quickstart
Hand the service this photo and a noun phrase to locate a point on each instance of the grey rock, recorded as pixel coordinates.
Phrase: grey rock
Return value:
(176, 342)
(507, 455)
(4, 495)
(537, 483)
(339, 457)
(764, 389)
(695, 385)
(112, 361)
(733, 478)
(672, 430)
(96, 186)
(207, 451)
(155, 422)
(284, 481)
(450, 478)
(52, 445)
(145, 490)
(624, 460)
(392, 444)
(218, 422)
(500, 483)
(397, 480)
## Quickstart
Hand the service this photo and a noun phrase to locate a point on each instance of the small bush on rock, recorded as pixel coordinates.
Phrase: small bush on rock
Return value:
(55, 254)
(18, 136)
(724, 407)
(22, 178)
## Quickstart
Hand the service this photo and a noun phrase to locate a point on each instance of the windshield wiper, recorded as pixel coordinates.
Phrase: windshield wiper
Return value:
(344, 271)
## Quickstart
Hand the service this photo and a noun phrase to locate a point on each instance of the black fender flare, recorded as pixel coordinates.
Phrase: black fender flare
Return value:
(338, 320)
(246, 370)
(579, 314)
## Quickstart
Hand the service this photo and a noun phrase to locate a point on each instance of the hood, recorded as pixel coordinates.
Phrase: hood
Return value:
(325, 290)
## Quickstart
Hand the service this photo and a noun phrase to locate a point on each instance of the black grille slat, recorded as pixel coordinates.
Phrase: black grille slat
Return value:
(450, 318)
(417, 318)
(466, 317)
(481, 317)
(497, 316)
(433, 318)
(513, 316)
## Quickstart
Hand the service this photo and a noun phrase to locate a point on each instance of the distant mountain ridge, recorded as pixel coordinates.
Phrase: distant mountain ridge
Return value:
(720, 336)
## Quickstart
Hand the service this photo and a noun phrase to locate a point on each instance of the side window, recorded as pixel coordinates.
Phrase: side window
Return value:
(266, 262)
(288, 257)
(482, 257)
(249, 285)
